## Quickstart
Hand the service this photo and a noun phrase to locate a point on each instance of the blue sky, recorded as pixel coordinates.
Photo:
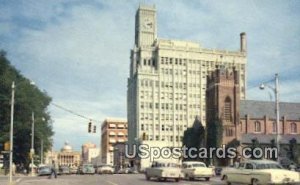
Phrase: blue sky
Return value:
(78, 51)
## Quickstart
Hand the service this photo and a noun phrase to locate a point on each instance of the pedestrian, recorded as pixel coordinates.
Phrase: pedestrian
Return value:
(53, 170)
(292, 167)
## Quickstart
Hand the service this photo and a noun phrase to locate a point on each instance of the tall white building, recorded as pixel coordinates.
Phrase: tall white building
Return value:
(167, 82)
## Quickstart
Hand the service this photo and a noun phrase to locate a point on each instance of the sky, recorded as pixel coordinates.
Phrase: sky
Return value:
(78, 50)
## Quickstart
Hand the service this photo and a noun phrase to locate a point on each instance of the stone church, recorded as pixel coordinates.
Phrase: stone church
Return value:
(248, 120)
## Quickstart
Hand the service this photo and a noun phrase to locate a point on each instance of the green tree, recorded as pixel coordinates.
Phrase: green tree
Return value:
(28, 99)
(214, 133)
(194, 137)
(255, 144)
(293, 150)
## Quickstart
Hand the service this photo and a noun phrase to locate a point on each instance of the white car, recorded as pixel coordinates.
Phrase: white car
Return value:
(196, 169)
(164, 171)
(105, 169)
(261, 172)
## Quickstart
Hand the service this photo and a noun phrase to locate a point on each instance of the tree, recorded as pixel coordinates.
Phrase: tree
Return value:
(28, 99)
(194, 137)
(293, 150)
(214, 133)
(254, 144)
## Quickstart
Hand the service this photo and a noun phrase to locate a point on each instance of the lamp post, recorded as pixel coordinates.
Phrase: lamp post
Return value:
(13, 86)
(11, 130)
(276, 92)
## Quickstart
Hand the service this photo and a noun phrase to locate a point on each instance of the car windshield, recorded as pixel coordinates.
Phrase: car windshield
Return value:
(268, 166)
(106, 166)
(167, 165)
(44, 167)
(88, 165)
(199, 165)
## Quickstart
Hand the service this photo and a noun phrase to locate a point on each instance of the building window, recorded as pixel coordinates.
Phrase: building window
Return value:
(257, 126)
(227, 109)
(293, 128)
(274, 127)
(229, 132)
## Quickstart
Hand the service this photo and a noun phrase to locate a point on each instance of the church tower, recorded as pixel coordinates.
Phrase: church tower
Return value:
(223, 101)
(145, 26)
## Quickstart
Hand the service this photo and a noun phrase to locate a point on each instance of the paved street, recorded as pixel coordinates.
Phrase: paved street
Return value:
(116, 179)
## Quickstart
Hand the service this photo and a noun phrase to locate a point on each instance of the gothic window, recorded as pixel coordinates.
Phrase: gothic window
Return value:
(274, 127)
(229, 132)
(257, 126)
(227, 109)
(293, 128)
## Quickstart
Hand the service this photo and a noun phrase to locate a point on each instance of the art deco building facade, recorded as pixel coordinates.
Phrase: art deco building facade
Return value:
(113, 131)
(167, 82)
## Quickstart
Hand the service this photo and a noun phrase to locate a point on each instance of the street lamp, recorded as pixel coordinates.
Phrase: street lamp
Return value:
(13, 86)
(276, 92)
(32, 144)
(11, 130)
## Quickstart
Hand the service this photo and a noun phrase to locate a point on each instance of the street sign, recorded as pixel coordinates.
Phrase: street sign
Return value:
(7, 146)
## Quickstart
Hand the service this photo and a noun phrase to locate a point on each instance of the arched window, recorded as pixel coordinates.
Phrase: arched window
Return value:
(257, 126)
(227, 109)
(274, 127)
(293, 128)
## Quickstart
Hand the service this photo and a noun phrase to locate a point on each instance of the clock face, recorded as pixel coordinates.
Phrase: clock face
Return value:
(148, 24)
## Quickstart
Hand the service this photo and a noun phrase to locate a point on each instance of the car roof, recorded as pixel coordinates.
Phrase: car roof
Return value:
(260, 161)
(193, 162)
(165, 162)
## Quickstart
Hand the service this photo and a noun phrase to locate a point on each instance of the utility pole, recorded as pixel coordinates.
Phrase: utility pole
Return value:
(11, 130)
(42, 151)
(277, 115)
(32, 143)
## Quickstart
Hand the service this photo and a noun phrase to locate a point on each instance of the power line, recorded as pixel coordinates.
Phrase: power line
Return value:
(73, 112)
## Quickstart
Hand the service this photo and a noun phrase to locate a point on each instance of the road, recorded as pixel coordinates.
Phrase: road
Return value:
(116, 179)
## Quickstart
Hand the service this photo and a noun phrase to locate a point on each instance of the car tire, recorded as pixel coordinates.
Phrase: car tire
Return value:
(207, 178)
(177, 179)
(225, 178)
(147, 177)
(254, 182)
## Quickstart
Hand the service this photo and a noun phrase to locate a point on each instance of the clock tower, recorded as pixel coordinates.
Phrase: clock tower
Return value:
(145, 26)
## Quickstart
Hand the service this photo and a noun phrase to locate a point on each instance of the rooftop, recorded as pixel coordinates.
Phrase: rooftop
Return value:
(258, 109)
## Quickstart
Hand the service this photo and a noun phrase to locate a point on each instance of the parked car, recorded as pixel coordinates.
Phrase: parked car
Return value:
(87, 169)
(261, 172)
(73, 170)
(105, 169)
(44, 170)
(64, 170)
(164, 171)
(196, 169)
(124, 171)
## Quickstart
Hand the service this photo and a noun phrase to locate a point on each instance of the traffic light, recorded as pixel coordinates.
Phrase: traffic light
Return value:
(90, 127)
(95, 129)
